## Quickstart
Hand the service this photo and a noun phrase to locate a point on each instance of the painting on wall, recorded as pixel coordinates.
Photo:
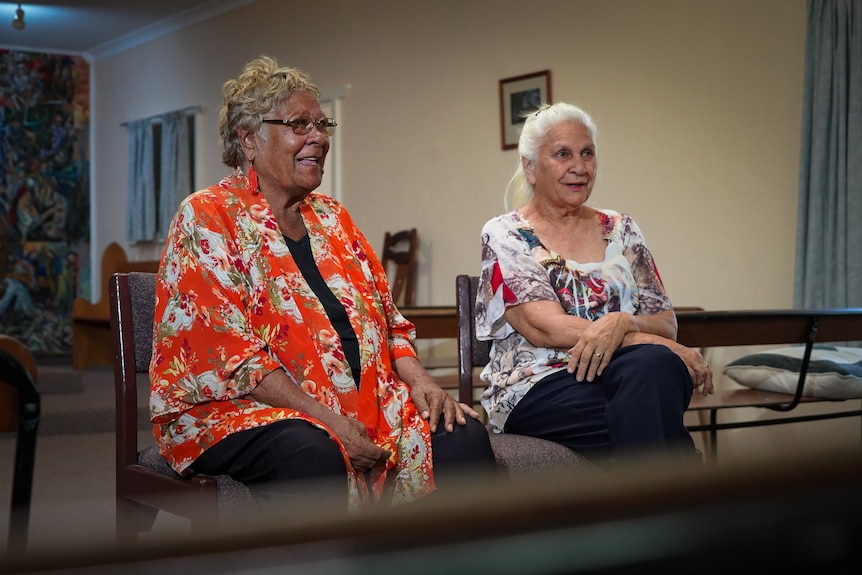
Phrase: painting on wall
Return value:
(519, 96)
(44, 196)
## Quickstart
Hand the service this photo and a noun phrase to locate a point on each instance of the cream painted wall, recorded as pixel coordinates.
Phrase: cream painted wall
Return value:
(698, 106)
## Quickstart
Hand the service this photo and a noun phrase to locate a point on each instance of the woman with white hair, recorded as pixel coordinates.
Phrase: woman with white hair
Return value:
(583, 331)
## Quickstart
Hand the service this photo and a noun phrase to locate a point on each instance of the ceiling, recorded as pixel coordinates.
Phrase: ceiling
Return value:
(100, 28)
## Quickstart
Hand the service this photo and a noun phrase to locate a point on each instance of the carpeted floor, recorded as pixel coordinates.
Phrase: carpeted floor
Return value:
(73, 477)
(74, 402)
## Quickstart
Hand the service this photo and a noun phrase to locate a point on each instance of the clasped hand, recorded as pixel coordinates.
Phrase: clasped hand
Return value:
(364, 453)
(430, 399)
(596, 345)
(598, 342)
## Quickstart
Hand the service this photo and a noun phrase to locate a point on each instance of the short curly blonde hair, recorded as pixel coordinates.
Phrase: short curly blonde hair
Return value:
(262, 86)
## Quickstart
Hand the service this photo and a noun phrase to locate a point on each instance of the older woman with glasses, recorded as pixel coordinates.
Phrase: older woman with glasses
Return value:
(583, 331)
(279, 357)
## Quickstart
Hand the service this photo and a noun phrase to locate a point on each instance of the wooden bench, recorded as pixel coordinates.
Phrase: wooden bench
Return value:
(91, 324)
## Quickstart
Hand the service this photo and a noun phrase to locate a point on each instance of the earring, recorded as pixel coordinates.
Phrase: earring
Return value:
(252, 179)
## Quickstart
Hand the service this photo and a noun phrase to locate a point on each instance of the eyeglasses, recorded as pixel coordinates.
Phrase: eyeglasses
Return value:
(302, 126)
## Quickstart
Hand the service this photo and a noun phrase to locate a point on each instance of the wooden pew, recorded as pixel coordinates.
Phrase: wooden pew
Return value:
(91, 326)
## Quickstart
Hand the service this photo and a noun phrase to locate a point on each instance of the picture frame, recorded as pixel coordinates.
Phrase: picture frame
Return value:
(520, 95)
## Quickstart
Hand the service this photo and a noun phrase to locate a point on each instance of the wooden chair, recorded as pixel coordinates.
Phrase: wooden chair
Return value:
(145, 483)
(399, 260)
(18, 376)
(521, 456)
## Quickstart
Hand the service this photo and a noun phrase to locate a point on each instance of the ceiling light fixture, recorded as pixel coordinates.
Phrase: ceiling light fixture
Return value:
(18, 20)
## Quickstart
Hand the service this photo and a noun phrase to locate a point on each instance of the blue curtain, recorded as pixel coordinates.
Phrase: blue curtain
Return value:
(176, 174)
(829, 225)
(151, 207)
(141, 210)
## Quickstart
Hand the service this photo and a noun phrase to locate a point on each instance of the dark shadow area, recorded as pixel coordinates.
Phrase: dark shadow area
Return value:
(776, 515)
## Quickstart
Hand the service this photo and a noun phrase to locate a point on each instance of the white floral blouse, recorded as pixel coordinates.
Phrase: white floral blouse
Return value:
(517, 268)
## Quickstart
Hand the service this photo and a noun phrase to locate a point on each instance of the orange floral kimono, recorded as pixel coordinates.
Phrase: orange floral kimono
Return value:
(232, 306)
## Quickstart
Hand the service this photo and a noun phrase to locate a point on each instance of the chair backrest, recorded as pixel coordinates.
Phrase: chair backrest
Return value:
(399, 261)
(132, 306)
(472, 353)
(9, 394)
(146, 484)
(18, 370)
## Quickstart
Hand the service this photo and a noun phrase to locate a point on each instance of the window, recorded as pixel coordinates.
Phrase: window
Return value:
(161, 172)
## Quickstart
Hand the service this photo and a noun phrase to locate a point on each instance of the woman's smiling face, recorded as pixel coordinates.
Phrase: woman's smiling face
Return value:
(285, 161)
(565, 168)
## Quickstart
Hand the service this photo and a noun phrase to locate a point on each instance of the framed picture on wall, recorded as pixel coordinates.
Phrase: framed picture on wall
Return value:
(520, 95)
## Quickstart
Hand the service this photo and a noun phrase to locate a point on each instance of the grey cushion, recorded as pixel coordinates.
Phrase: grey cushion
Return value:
(142, 287)
(834, 372)
(524, 457)
(233, 496)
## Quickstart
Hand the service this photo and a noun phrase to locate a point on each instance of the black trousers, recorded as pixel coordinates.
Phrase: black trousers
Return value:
(635, 407)
(294, 463)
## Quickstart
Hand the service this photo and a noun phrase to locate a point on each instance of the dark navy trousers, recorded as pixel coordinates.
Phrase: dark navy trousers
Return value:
(635, 407)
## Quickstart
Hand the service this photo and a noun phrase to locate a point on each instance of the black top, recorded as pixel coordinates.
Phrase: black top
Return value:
(301, 252)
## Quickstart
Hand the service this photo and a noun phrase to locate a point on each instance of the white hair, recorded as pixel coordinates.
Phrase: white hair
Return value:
(533, 133)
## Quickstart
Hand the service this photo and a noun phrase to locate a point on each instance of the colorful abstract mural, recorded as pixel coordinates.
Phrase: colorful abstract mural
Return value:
(44, 196)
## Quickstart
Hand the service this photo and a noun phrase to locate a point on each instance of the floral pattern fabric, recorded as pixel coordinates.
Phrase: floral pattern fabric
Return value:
(232, 306)
(517, 268)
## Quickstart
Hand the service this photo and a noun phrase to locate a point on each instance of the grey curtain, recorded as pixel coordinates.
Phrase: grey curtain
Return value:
(176, 174)
(141, 209)
(829, 225)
